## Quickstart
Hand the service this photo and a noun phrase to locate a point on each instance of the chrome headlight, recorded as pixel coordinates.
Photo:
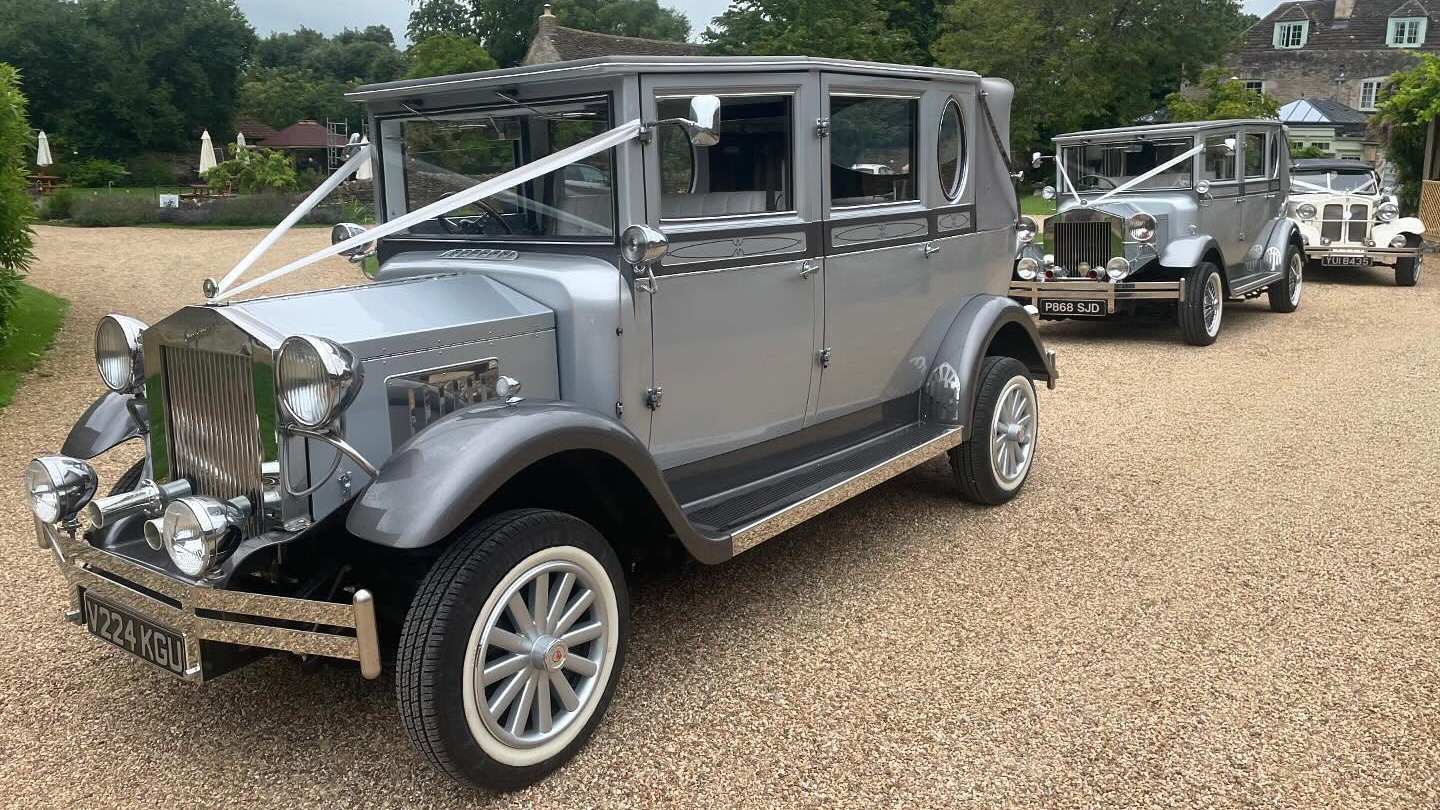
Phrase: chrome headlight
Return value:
(199, 533)
(1026, 229)
(58, 487)
(1399, 241)
(1027, 268)
(1305, 211)
(1118, 268)
(118, 352)
(317, 378)
(1049, 193)
(1387, 212)
(1141, 227)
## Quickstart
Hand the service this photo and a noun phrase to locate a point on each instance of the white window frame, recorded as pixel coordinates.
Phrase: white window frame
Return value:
(1283, 34)
(1373, 86)
(1413, 28)
(1259, 85)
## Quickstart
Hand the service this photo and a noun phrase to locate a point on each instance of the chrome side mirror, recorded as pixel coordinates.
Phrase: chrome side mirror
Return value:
(704, 124)
(352, 148)
(1229, 147)
(1036, 159)
(346, 231)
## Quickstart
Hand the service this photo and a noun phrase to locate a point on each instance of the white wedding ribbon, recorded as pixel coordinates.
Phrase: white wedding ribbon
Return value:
(523, 174)
(348, 168)
(1324, 190)
(1171, 163)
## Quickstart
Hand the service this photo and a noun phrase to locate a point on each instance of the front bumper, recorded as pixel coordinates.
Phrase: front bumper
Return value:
(1374, 255)
(199, 614)
(1033, 292)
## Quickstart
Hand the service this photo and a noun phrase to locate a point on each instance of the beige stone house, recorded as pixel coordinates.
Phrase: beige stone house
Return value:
(1336, 49)
(556, 43)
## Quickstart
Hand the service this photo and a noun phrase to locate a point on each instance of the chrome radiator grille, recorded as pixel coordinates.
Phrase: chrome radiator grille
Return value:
(213, 427)
(1087, 242)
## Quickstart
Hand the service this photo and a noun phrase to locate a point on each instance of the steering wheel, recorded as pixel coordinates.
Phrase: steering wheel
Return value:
(465, 225)
(1097, 178)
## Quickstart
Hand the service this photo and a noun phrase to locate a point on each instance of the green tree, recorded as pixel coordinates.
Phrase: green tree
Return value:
(1409, 101)
(504, 28)
(1078, 64)
(446, 55)
(280, 97)
(848, 29)
(1217, 98)
(15, 209)
(1309, 153)
(254, 170)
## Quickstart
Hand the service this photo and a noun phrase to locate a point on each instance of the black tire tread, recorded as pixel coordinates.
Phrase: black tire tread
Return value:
(1191, 311)
(1407, 272)
(970, 463)
(1279, 292)
(130, 479)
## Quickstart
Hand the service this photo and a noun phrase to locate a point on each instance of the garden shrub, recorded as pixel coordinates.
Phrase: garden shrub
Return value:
(94, 173)
(110, 210)
(16, 211)
(254, 169)
(152, 169)
(252, 210)
(58, 204)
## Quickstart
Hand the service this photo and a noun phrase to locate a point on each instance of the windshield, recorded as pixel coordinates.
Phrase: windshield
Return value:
(1335, 182)
(432, 156)
(1108, 166)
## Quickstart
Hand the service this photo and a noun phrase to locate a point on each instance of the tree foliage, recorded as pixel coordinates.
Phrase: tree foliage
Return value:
(118, 77)
(254, 170)
(504, 28)
(1217, 98)
(447, 55)
(1078, 64)
(279, 98)
(15, 209)
(849, 29)
(1408, 103)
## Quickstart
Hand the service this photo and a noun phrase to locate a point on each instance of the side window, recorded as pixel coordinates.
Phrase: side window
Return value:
(951, 151)
(872, 149)
(747, 172)
(1220, 157)
(1254, 154)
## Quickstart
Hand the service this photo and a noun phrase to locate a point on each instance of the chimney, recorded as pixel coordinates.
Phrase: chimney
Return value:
(1343, 9)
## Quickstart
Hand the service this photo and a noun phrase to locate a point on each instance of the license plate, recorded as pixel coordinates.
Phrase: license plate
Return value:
(1082, 308)
(136, 635)
(1344, 261)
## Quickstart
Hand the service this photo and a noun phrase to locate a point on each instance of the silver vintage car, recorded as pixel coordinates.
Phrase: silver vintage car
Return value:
(1174, 219)
(1348, 219)
(717, 329)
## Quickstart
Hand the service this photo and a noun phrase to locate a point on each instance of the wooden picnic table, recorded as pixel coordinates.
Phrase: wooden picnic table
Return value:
(43, 183)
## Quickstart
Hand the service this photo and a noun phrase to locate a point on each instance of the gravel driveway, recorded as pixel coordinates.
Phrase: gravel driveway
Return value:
(1221, 588)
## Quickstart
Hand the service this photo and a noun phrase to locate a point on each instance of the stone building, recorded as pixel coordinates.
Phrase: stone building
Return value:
(1336, 49)
(556, 43)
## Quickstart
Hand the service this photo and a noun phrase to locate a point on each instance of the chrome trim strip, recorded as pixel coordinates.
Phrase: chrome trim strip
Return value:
(1033, 291)
(758, 532)
(367, 638)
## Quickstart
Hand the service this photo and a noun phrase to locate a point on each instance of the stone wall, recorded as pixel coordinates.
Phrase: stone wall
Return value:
(1289, 75)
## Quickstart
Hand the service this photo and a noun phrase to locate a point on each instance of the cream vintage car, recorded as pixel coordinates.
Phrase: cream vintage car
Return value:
(1349, 220)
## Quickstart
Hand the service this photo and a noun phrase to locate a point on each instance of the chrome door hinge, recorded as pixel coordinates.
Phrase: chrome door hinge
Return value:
(822, 127)
(619, 409)
(652, 397)
(823, 357)
(647, 134)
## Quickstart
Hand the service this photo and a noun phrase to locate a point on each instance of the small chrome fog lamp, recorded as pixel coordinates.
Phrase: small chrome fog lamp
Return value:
(1118, 268)
(1027, 268)
(1048, 192)
(1387, 212)
(199, 533)
(118, 352)
(1305, 211)
(1026, 229)
(1399, 241)
(1325, 241)
(642, 245)
(318, 379)
(1141, 226)
(58, 487)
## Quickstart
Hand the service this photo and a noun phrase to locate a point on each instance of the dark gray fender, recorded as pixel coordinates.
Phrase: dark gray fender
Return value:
(1282, 234)
(108, 422)
(440, 477)
(984, 323)
(1189, 251)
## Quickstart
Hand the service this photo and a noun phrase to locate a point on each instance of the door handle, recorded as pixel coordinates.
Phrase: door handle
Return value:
(808, 269)
(931, 249)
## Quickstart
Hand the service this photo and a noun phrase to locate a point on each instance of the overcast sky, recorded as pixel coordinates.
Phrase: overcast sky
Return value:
(331, 16)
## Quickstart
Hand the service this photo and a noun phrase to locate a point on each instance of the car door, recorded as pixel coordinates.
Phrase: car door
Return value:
(1222, 211)
(735, 315)
(879, 257)
(1261, 194)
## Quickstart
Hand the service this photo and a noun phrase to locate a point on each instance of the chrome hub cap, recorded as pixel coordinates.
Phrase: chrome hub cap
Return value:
(541, 654)
(1297, 267)
(1214, 303)
(1012, 433)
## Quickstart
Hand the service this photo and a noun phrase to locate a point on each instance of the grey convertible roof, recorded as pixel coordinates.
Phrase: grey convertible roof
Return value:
(1164, 129)
(620, 65)
(1331, 165)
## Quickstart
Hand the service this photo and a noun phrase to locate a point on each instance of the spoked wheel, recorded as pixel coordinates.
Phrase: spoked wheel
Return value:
(1285, 294)
(993, 465)
(1204, 305)
(512, 648)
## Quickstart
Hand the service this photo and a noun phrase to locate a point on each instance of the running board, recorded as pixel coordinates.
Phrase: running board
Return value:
(763, 511)
(1237, 293)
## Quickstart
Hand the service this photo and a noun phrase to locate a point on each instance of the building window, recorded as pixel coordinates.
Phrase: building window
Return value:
(1255, 86)
(1370, 94)
(1406, 32)
(1292, 35)
(1323, 146)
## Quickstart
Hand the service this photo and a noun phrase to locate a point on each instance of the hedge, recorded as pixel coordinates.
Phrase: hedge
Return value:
(16, 212)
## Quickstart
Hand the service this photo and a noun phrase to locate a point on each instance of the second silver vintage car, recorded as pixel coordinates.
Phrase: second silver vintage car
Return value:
(1173, 219)
(716, 330)
(1349, 220)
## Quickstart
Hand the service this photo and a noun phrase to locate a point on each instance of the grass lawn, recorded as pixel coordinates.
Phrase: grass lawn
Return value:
(148, 191)
(1037, 206)
(36, 318)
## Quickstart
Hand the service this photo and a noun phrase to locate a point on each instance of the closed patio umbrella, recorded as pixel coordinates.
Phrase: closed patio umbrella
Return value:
(364, 172)
(207, 153)
(239, 140)
(42, 151)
